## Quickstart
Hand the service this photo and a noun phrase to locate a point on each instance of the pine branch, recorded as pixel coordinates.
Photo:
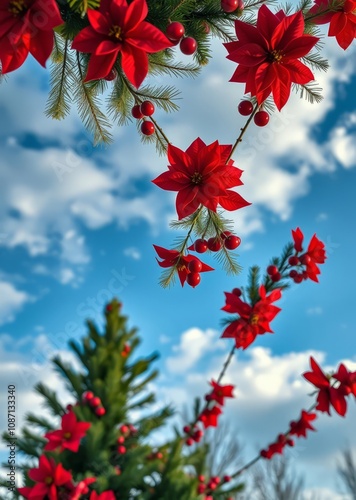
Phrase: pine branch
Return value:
(50, 399)
(310, 91)
(58, 102)
(316, 62)
(88, 107)
(82, 6)
(39, 421)
(253, 286)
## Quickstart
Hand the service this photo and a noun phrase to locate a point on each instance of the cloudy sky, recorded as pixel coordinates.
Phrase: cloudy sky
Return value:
(78, 224)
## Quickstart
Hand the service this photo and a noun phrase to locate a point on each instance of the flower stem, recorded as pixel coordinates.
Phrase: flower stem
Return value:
(243, 130)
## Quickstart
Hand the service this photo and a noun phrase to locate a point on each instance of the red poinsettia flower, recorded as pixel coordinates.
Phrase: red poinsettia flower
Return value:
(268, 55)
(106, 495)
(26, 26)
(202, 177)
(277, 447)
(254, 320)
(300, 427)
(75, 492)
(118, 28)
(69, 435)
(173, 257)
(209, 417)
(47, 476)
(342, 20)
(327, 395)
(220, 392)
(314, 255)
(347, 380)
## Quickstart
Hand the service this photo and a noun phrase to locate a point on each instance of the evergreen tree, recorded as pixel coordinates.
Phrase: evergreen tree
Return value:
(96, 438)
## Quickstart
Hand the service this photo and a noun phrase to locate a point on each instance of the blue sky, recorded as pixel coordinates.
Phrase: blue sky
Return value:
(69, 242)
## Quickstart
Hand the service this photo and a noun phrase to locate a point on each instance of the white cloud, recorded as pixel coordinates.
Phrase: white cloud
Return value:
(12, 300)
(132, 252)
(315, 311)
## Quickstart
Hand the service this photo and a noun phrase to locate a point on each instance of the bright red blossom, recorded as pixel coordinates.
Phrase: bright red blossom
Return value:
(75, 492)
(106, 495)
(300, 427)
(254, 320)
(118, 28)
(347, 380)
(202, 175)
(172, 257)
(48, 476)
(277, 447)
(209, 417)
(327, 395)
(314, 255)
(342, 22)
(26, 26)
(268, 55)
(220, 392)
(69, 435)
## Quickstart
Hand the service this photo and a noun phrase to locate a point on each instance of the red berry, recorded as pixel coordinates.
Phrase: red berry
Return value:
(245, 108)
(216, 479)
(95, 402)
(100, 412)
(201, 245)
(195, 266)
(305, 259)
(201, 478)
(147, 108)
(212, 485)
(147, 128)
(276, 277)
(208, 397)
(293, 260)
(214, 244)
(201, 488)
(232, 242)
(198, 435)
(127, 348)
(271, 270)
(188, 45)
(136, 112)
(237, 292)
(261, 118)
(121, 439)
(87, 396)
(227, 479)
(293, 273)
(108, 308)
(111, 76)
(175, 31)
(193, 279)
(229, 5)
(189, 442)
(124, 429)
(298, 278)
(186, 429)
(121, 450)
(225, 234)
(159, 455)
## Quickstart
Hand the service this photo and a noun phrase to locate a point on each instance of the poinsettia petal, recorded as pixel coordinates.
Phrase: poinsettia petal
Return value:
(178, 158)
(137, 11)
(86, 40)
(195, 147)
(41, 46)
(232, 201)
(245, 32)
(165, 253)
(289, 28)
(298, 238)
(148, 38)
(250, 54)
(12, 58)
(266, 21)
(99, 22)
(298, 72)
(107, 47)
(338, 401)
(337, 23)
(347, 35)
(187, 202)
(100, 66)
(281, 85)
(134, 64)
(300, 47)
(171, 181)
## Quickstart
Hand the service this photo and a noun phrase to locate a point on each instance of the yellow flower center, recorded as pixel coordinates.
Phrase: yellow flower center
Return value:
(196, 178)
(48, 480)
(115, 32)
(276, 56)
(67, 435)
(254, 319)
(17, 7)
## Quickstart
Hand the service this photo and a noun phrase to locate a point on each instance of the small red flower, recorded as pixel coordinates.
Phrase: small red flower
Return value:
(220, 392)
(69, 435)
(202, 177)
(209, 417)
(300, 427)
(254, 320)
(327, 395)
(347, 380)
(173, 257)
(277, 447)
(76, 491)
(342, 22)
(26, 26)
(118, 28)
(106, 495)
(47, 476)
(314, 255)
(268, 55)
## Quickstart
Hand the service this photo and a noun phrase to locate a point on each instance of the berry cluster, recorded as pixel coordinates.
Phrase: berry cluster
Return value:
(194, 434)
(175, 33)
(207, 487)
(274, 273)
(215, 244)
(261, 118)
(141, 111)
(126, 431)
(126, 351)
(155, 455)
(232, 5)
(94, 402)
